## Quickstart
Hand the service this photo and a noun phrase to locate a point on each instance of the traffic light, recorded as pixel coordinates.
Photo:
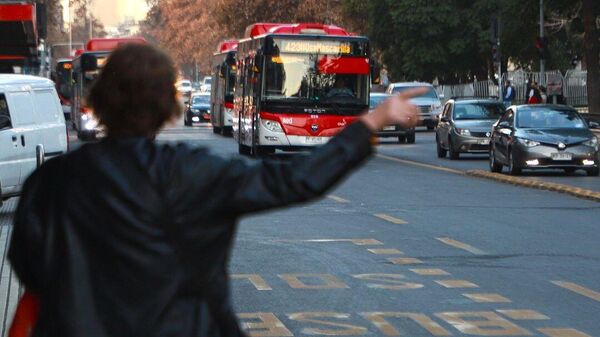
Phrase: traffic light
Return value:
(495, 54)
(541, 44)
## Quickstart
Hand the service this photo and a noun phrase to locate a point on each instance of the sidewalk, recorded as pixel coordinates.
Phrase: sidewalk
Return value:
(10, 289)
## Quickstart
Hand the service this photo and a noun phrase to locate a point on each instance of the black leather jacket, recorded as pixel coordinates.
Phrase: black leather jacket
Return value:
(132, 238)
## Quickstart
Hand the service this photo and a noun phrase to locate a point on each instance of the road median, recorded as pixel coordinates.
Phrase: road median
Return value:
(543, 185)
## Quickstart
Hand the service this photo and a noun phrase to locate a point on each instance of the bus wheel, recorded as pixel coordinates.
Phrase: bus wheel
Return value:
(263, 151)
(227, 131)
(216, 129)
(243, 150)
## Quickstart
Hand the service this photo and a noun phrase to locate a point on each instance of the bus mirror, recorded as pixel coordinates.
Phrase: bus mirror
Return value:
(89, 62)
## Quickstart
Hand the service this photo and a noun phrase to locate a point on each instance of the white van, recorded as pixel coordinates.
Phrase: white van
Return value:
(32, 128)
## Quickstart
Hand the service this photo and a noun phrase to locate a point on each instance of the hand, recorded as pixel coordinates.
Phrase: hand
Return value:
(395, 110)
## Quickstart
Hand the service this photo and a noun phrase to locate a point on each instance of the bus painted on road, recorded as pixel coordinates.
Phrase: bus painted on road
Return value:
(297, 85)
(86, 68)
(223, 81)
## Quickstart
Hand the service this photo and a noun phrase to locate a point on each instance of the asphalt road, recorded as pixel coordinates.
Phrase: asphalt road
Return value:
(402, 249)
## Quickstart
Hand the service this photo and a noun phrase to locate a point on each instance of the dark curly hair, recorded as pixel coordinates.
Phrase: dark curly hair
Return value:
(135, 93)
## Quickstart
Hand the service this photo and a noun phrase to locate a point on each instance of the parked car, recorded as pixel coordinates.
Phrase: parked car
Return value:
(429, 103)
(544, 136)
(32, 128)
(198, 109)
(465, 126)
(403, 134)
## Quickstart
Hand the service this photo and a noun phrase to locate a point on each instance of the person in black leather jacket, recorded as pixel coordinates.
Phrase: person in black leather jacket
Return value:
(112, 238)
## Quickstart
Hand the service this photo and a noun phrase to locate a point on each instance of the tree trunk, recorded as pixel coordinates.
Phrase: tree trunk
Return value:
(592, 54)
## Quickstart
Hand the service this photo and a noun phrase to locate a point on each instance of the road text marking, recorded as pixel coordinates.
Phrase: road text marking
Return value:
(391, 219)
(482, 323)
(430, 272)
(338, 199)
(487, 298)
(579, 289)
(325, 281)
(562, 332)
(523, 315)
(385, 251)
(456, 284)
(257, 281)
(358, 242)
(404, 260)
(460, 245)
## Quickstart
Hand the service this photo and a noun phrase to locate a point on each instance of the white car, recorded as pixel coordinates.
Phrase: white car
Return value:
(184, 86)
(429, 103)
(206, 84)
(32, 128)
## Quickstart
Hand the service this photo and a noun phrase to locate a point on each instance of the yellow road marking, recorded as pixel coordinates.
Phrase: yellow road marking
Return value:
(404, 260)
(387, 329)
(579, 289)
(358, 242)
(456, 284)
(562, 332)
(416, 163)
(523, 315)
(430, 272)
(264, 324)
(257, 281)
(385, 251)
(327, 281)
(388, 281)
(482, 323)
(460, 245)
(487, 298)
(324, 319)
(391, 219)
(338, 199)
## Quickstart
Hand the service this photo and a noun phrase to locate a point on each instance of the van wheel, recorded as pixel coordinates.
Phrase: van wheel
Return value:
(244, 150)
(401, 139)
(410, 138)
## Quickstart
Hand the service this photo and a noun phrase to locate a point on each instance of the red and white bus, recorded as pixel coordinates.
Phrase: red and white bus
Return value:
(86, 67)
(297, 85)
(62, 77)
(223, 81)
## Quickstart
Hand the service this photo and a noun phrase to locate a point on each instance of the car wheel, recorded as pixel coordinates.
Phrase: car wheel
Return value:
(569, 170)
(441, 152)
(494, 165)
(186, 122)
(401, 139)
(216, 129)
(513, 169)
(454, 155)
(593, 172)
(410, 138)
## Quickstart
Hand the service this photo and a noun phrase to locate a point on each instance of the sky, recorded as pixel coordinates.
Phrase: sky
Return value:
(111, 12)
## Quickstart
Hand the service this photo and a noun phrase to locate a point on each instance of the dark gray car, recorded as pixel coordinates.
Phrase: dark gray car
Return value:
(544, 136)
(465, 126)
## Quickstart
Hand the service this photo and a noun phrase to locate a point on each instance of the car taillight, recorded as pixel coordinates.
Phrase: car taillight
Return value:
(85, 110)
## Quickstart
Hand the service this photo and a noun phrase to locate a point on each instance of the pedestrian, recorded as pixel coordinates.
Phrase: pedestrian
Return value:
(543, 95)
(509, 94)
(121, 237)
(534, 96)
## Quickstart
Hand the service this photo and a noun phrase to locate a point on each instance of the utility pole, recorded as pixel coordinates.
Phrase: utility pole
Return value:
(542, 56)
(499, 61)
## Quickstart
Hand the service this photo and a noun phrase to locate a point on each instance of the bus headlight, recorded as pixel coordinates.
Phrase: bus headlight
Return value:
(271, 125)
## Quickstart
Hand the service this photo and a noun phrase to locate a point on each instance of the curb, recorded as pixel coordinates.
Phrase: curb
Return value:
(561, 188)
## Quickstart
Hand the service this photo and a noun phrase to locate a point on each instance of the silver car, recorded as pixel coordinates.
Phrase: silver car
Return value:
(429, 103)
(465, 126)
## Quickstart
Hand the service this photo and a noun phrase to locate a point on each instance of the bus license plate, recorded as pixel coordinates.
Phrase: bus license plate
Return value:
(562, 156)
(314, 140)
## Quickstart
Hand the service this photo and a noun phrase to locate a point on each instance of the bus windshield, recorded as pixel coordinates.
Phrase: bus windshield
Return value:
(297, 77)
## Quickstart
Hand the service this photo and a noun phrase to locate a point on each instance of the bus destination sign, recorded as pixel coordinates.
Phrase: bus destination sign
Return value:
(314, 47)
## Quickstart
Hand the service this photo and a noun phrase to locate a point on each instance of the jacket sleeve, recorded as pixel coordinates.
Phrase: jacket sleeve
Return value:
(270, 184)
